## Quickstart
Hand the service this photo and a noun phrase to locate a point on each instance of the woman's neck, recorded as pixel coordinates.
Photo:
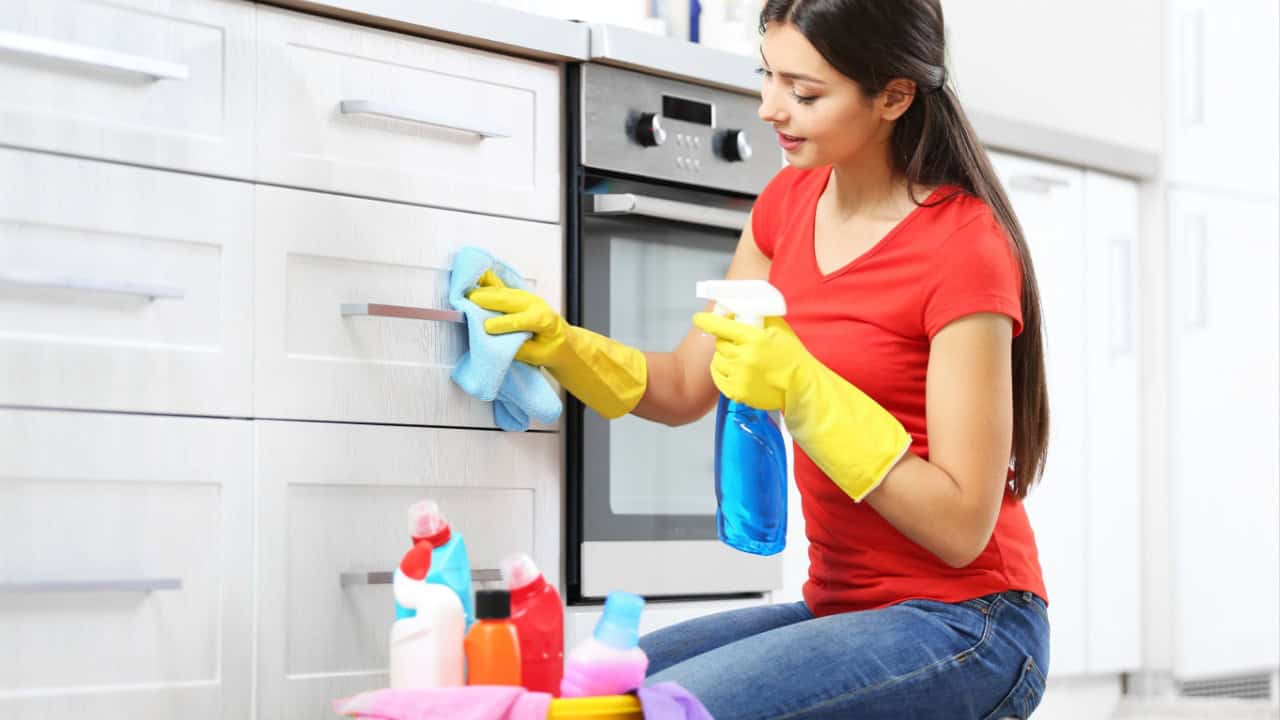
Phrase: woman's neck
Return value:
(866, 185)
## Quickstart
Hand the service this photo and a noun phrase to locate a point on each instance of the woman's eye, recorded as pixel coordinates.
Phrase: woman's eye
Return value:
(804, 99)
(764, 73)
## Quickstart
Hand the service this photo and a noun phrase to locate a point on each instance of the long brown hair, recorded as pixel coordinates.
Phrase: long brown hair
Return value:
(875, 41)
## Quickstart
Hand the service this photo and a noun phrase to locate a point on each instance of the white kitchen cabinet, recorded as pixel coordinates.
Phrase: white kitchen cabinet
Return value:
(1111, 480)
(167, 83)
(317, 252)
(1049, 202)
(1224, 385)
(1224, 81)
(126, 566)
(332, 509)
(366, 112)
(123, 288)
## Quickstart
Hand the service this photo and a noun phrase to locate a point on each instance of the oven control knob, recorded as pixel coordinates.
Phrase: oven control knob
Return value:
(734, 146)
(648, 131)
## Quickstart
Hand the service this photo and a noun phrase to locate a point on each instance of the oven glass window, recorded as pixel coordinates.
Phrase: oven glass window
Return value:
(655, 469)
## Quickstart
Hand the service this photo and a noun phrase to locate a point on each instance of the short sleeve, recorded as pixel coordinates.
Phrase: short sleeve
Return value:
(768, 208)
(975, 270)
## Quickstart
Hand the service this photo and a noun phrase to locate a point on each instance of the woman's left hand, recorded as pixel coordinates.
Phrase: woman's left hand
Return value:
(754, 366)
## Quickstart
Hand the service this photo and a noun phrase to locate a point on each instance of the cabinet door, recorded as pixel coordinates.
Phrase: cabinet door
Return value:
(331, 519)
(1112, 482)
(1224, 383)
(315, 253)
(1049, 202)
(126, 566)
(1224, 64)
(378, 114)
(167, 83)
(123, 288)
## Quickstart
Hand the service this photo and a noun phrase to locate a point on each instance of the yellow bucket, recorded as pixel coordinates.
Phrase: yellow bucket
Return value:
(605, 707)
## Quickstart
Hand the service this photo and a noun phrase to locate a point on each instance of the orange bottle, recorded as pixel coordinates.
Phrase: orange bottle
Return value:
(492, 646)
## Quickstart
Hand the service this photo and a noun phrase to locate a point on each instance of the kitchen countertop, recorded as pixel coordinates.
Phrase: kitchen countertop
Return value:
(514, 32)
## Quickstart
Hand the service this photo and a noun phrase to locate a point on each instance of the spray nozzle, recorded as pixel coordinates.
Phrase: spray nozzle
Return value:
(750, 301)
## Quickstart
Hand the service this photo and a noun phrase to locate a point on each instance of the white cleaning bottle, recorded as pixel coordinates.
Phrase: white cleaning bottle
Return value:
(751, 458)
(426, 648)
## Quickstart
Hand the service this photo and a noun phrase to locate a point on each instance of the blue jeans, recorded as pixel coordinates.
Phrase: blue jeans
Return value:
(981, 658)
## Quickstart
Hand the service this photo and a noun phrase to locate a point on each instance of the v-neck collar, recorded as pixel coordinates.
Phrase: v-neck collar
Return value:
(869, 252)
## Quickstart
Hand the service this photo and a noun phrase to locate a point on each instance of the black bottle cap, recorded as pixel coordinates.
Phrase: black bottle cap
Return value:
(493, 604)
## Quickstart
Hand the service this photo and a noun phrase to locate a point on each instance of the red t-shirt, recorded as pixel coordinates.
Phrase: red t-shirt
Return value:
(872, 322)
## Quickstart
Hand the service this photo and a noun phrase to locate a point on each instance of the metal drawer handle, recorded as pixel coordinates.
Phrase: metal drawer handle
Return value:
(22, 278)
(349, 579)
(401, 311)
(140, 585)
(662, 209)
(1038, 184)
(91, 57)
(371, 107)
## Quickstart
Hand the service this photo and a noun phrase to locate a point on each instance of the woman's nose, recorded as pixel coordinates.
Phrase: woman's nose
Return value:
(769, 111)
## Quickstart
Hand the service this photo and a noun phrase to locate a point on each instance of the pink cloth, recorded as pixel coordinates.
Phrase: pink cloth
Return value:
(670, 701)
(473, 702)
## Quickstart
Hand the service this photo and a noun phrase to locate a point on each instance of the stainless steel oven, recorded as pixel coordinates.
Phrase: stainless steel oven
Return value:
(663, 176)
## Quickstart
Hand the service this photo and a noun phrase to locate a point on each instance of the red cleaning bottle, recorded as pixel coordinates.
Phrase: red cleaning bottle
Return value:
(538, 615)
(493, 652)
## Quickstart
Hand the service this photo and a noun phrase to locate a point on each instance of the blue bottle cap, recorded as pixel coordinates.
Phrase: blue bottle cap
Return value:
(619, 626)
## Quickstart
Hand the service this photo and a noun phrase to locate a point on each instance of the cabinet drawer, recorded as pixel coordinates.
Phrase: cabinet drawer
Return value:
(126, 577)
(317, 252)
(333, 500)
(155, 82)
(377, 114)
(123, 288)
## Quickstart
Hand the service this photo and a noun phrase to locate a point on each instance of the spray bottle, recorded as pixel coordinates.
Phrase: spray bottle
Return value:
(751, 458)
(450, 565)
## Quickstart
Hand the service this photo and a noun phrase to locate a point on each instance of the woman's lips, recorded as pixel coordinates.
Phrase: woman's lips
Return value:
(789, 142)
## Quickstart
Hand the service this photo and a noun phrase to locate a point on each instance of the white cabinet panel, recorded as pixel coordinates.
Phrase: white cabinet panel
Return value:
(1224, 81)
(1049, 202)
(359, 111)
(85, 247)
(156, 82)
(316, 252)
(1112, 482)
(126, 585)
(1224, 385)
(333, 499)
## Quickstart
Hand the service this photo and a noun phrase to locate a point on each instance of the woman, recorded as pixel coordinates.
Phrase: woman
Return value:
(909, 370)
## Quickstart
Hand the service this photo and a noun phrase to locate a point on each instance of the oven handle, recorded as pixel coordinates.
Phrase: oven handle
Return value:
(661, 209)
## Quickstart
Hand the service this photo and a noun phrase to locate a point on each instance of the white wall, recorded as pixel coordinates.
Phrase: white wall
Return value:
(1089, 67)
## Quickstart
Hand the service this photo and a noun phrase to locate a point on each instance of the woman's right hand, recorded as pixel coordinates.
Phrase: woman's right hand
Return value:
(604, 374)
(522, 312)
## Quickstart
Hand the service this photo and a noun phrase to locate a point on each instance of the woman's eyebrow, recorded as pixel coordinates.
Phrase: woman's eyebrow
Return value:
(791, 75)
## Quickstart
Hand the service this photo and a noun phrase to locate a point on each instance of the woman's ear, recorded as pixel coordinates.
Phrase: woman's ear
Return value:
(896, 98)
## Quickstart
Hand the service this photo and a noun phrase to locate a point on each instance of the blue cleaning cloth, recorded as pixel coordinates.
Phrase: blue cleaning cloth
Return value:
(488, 370)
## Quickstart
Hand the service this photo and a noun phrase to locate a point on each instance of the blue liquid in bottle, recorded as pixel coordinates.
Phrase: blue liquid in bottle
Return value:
(751, 479)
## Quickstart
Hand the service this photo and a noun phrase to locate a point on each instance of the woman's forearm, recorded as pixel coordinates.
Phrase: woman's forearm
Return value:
(927, 505)
(671, 397)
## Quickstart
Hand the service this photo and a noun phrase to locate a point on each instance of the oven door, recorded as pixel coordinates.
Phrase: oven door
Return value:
(643, 492)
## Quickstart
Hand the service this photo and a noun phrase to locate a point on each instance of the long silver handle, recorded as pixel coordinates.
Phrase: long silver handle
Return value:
(371, 107)
(1121, 252)
(1196, 240)
(137, 585)
(662, 209)
(384, 577)
(98, 58)
(402, 311)
(1039, 184)
(22, 278)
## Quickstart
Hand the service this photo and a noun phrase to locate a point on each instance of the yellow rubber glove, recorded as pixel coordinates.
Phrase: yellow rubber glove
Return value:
(606, 375)
(847, 434)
